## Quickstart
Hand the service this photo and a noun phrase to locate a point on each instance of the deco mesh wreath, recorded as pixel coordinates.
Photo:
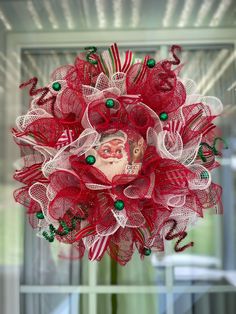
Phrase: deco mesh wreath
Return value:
(117, 155)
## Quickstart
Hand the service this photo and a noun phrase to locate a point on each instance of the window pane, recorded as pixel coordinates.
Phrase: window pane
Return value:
(54, 303)
(49, 263)
(205, 303)
(136, 272)
(132, 303)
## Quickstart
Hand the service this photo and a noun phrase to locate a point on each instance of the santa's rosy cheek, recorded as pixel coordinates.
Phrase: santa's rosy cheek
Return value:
(105, 154)
(118, 155)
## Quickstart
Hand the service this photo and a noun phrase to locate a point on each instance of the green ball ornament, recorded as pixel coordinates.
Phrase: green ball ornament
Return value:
(151, 63)
(163, 116)
(119, 205)
(40, 215)
(147, 251)
(110, 103)
(56, 86)
(90, 160)
(204, 175)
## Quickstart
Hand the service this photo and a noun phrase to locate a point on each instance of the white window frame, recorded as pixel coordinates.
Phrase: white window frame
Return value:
(15, 43)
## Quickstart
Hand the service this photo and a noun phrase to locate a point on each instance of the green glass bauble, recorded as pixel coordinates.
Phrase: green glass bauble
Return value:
(40, 215)
(110, 103)
(151, 63)
(90, 160)
(147, 251)
(56, 86)
(119, 204)
(163, 116)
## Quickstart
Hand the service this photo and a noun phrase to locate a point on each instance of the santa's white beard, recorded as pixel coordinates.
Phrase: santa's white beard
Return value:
(111, 166)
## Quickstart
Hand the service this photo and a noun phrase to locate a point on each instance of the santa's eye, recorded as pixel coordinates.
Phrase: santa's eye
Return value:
(118, 151)
(106, 150)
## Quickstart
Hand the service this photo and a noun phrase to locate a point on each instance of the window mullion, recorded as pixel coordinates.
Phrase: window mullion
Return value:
(92, 284)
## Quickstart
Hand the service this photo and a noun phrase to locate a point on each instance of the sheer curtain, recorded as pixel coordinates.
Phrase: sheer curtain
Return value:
(10, 217)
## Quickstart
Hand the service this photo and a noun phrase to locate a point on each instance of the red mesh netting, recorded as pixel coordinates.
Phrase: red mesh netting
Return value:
(116, 155)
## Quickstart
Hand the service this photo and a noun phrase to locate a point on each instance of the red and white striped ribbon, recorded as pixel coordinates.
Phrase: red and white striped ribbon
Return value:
(66, 138)
(98, 248)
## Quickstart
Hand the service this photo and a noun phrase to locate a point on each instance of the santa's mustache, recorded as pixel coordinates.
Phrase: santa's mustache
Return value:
(111, 160)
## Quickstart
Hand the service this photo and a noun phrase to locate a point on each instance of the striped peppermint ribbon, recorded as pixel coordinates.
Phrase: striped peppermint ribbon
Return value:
(174, 126)
(143, 70)
(31, 173)
(66, 138)
(89, 230)
(109, 61)
(98, 248)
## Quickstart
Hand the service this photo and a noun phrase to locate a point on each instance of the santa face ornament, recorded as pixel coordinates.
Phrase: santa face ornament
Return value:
(118, 152)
